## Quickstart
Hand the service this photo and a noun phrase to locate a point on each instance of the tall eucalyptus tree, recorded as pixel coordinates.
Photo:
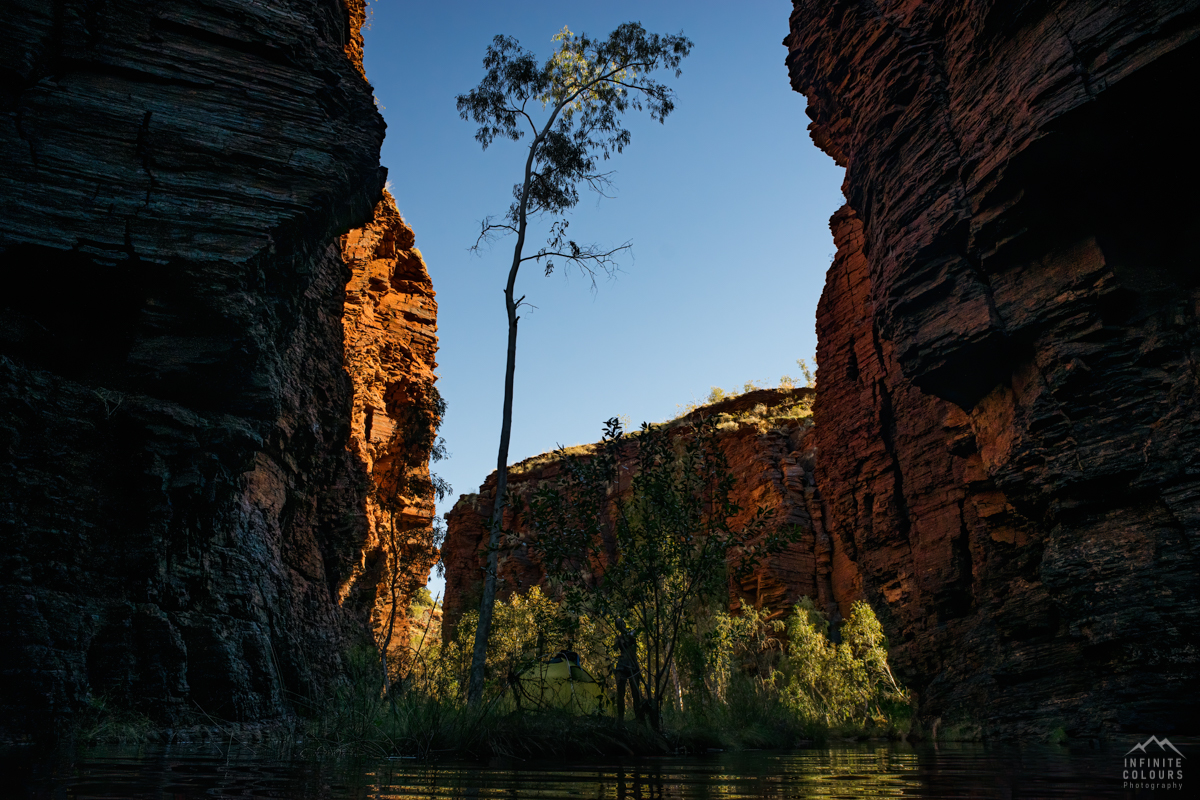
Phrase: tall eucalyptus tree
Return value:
(572, 107)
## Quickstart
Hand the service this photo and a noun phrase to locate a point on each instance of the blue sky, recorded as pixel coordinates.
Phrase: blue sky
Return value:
(726, 204)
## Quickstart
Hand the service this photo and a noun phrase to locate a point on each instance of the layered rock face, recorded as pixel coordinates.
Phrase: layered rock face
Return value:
(771, 457)
(1006, 417)
(390, 322)
(180, 512)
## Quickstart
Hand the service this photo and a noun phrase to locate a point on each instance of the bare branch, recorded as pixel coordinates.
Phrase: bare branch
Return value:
(587, 258)
(599, 182)
(583, 254)
(650, 89)
(489, 232)
(529, 119)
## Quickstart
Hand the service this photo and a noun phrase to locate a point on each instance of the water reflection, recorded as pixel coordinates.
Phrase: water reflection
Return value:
(829, 773)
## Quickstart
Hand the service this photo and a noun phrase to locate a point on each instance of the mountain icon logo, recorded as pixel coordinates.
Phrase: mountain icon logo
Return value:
(1163, 744)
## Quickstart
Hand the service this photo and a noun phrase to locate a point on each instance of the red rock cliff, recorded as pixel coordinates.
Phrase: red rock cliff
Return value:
(771, 456)
(180, 509)
(1006, 418)
(390, 321)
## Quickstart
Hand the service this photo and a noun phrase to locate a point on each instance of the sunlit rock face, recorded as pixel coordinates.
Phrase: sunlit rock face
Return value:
(390, 323)
(180, 512)
(769, 455)
(1006, 421)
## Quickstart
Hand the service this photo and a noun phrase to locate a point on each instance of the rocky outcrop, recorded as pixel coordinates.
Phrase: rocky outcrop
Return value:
(1006, 417)
(180, 512)
(766, 438)
(390, 322)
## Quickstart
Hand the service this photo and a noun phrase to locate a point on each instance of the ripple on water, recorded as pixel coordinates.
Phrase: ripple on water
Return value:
(975, 771)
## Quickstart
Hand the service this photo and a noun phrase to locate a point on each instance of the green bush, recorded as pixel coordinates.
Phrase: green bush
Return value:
(746, 679)
(830, 686)
(524, 628)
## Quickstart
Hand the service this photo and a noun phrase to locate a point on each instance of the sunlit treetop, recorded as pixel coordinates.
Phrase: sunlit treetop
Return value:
(579, 93)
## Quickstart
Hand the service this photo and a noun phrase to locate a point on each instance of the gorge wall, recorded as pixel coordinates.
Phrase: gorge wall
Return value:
(767, 440)
(187, 470)
(390, 321)
(1006, 420)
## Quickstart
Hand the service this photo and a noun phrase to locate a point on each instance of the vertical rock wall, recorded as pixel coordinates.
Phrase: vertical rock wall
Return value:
(1007, 422)
(391, 341)
(180, 513)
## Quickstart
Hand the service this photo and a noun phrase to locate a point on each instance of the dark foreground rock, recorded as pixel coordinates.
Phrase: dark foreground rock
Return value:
(180, 515)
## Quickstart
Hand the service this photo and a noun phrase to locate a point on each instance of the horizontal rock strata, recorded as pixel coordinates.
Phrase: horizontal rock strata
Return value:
(390, 321)
(179, 509)
(1006, 419)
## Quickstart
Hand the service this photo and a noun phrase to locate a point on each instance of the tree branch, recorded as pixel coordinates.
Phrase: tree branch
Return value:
(487, 233)
(580, 256)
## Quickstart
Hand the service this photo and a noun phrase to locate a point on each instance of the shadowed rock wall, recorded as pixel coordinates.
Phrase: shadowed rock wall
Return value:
(1006, 419)
(179, 510)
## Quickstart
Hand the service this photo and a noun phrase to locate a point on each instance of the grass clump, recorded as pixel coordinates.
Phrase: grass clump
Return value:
(359, 717)
(534, 462)
(104, 721)
(717, 395)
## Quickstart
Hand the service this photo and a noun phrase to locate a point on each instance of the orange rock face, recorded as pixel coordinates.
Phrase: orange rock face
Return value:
(1006, 421)
(773, 464)
(357, 11)
(390, 324)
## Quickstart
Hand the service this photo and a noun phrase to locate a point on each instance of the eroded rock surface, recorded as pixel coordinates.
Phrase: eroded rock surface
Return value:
(1006, 421)
(391, 342)
(179, 509)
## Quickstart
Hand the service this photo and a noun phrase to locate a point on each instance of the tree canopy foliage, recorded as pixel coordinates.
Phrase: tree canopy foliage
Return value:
(830, 684)
(573, 107)
(644, 550)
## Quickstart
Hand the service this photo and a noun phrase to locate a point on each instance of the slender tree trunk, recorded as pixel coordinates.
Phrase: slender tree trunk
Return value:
(488, 602)
(677, 687)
